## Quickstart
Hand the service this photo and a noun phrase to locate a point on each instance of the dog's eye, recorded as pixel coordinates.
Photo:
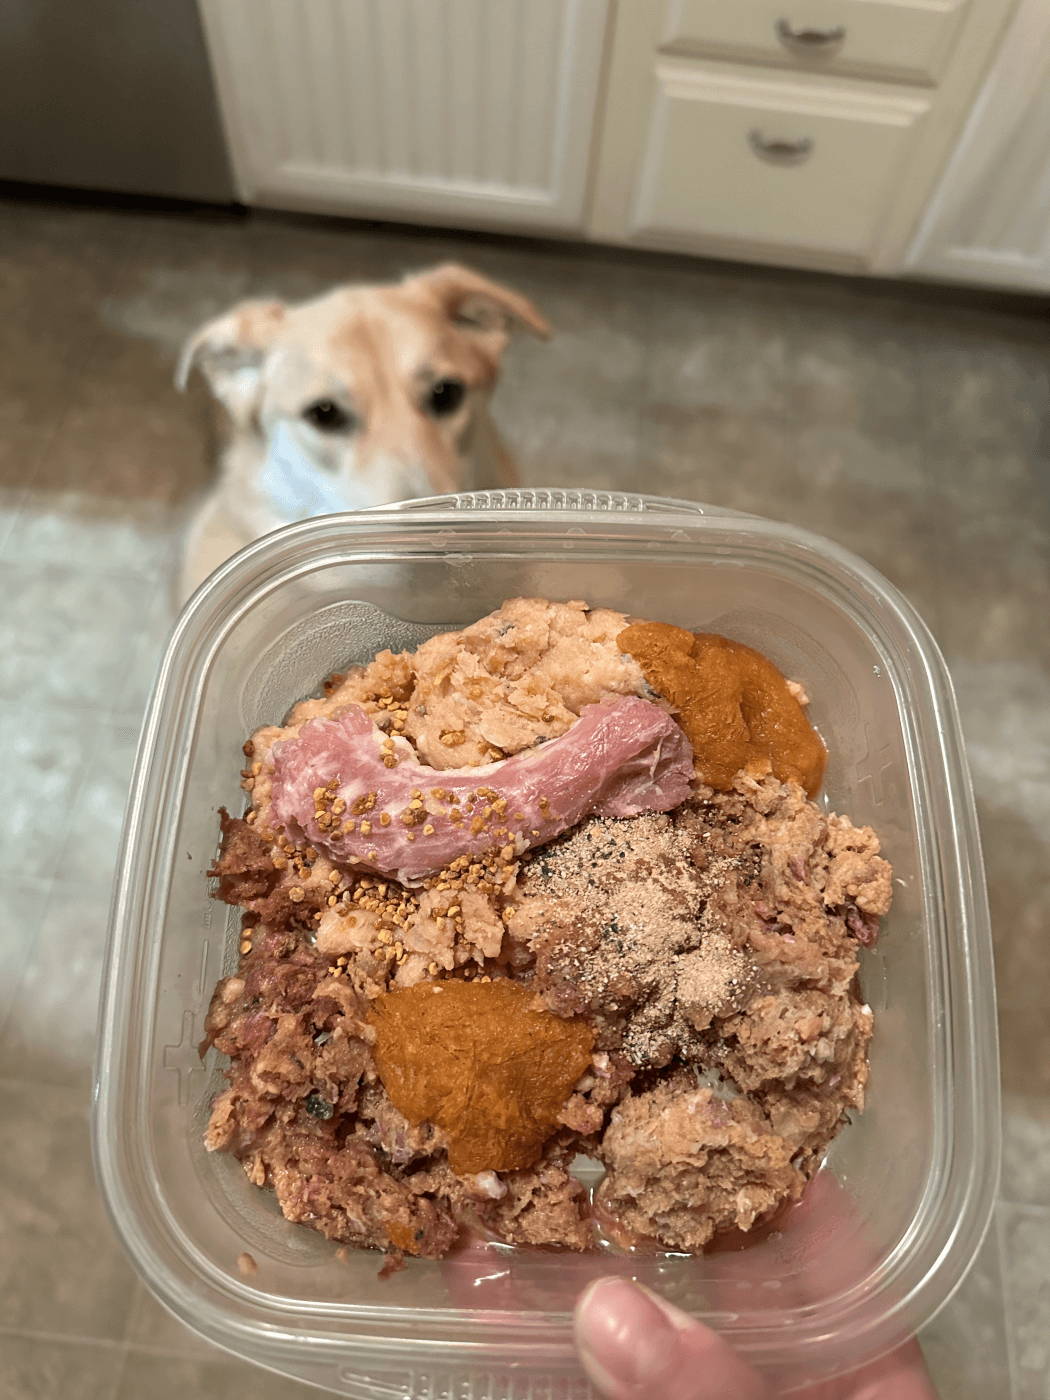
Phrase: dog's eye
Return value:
(328, 416)
(446, 396)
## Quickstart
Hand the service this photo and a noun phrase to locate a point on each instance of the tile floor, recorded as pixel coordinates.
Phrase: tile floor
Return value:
(911, 427)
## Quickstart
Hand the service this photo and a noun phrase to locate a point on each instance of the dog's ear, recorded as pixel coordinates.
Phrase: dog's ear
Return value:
(477, 302)
(230, 352)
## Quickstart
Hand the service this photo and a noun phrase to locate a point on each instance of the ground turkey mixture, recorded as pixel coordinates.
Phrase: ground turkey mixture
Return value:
(702, 943)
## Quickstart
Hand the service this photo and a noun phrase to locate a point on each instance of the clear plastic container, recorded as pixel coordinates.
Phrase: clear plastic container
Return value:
(918, 1168)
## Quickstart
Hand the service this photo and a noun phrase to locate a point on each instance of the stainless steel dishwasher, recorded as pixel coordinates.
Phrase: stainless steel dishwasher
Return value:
(110, 95)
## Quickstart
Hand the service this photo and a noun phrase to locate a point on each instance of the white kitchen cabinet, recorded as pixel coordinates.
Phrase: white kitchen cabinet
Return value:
(989, 220)
(904, 42)
(787, 165)
(803, 132)
(471, 112)
(869, 94)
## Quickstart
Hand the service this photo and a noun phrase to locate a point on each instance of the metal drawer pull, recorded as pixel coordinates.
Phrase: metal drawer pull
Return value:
(779, 152)
(809, 41)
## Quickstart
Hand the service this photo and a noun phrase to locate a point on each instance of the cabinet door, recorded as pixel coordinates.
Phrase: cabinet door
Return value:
(989, 220)
(688, 81)
(110, 96)
(767, 163)
(904, 40)
(469, 112)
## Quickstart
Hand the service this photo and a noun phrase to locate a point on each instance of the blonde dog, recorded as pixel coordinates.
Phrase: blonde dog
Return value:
(360, 397)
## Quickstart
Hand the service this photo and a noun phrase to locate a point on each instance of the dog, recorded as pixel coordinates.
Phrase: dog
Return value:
(366, 395)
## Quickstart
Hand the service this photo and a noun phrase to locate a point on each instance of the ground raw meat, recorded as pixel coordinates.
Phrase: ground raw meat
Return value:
(684, 1163)
(616, 918)
(799, 1036)
(307, 1116)
(521, 675)
(674, 932)
(713, 949)
(542, 1206)
(367, 801)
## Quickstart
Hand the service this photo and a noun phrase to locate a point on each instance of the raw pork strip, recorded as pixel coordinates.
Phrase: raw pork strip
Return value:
(365, 799)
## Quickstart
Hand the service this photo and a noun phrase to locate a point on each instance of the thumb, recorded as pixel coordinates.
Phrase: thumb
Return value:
(636, 1346)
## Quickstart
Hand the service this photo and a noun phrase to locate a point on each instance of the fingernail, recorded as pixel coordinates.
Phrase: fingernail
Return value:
(627, 1342)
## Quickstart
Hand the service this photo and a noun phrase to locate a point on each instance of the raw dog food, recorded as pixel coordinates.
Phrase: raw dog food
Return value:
(499, 910)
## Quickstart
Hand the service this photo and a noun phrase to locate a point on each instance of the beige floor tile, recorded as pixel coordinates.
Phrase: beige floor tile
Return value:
(32, 1368)
(911, 430)
(1026, 1261)
(985, 379)
(763, 466)
(709, 447)
(23, 443)
(126, 433)
(711, 341)
(87, 853)
(75, 528)
(1007, 727)
(21, 914)
(67, 633)
(37, 230)
(159, 616)
(1026, 1148)
(855, 372)
(151, 1326)
(62, 1269)
(295, 259)
(46, 758)
(966, 1345)
(994, 546)
(573, 449)
(1024, 1039)
(599, 322)
(56, 269)
(188, 270)
(50, 1032)
(165, 1378)
(57, 265)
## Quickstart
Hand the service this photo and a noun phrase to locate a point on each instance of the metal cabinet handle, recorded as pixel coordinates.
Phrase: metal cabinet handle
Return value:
(779, 152)
(809, 41)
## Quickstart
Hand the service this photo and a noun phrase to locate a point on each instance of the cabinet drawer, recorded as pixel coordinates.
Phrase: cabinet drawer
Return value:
(768, 162)
(906, 40)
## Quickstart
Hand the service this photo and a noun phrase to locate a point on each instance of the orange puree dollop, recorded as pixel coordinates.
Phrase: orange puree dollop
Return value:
(481, 1062)
(733, 703)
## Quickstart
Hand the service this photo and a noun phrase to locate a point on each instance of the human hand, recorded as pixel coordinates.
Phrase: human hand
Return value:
(637, 1346)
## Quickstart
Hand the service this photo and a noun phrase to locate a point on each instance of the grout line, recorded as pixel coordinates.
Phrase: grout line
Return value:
(147, 1348)
(79, 566)
(122, 1366)
(1041, 1209)
(1004, 1275)
(174, 1352)
(129, 1321)
(84, 1108)
(35, 1334)
(22, 563)
(130, 718)
(40, 892)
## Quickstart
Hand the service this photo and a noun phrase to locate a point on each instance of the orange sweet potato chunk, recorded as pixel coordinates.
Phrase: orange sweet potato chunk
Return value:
(481, 1062)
